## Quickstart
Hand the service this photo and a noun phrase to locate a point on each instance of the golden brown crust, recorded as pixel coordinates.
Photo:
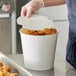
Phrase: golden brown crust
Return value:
(1, 64)
(46, 31)
(6, 70)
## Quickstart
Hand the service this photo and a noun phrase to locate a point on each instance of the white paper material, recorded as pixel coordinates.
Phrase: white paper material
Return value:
(36, 22)
(39, 51)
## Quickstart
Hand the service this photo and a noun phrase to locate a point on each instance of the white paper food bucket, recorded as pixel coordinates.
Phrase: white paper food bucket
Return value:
(39, 51)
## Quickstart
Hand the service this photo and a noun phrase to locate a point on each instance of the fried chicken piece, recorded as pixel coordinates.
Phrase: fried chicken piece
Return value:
(25, 31)
(1, 73)
(1, 64)
(50, 31)
(41, 32)
(6, 73)
(6, 68)
(34, 32)
(1, 68)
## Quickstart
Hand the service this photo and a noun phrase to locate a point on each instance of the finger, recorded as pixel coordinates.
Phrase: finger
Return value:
(29, 11)
(23, 11)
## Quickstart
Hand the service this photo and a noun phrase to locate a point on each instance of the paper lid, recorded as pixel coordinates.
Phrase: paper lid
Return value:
(35, 22)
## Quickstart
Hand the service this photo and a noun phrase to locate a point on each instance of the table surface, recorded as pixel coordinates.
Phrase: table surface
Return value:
(61, 67)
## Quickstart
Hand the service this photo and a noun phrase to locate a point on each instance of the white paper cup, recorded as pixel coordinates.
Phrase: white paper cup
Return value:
(39, 51)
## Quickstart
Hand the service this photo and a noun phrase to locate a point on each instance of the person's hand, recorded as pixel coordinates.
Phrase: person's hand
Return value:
(31, 7)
